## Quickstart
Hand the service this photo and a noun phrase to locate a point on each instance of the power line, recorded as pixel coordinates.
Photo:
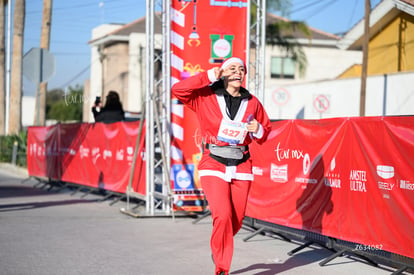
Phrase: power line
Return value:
(76, 76)
(301, 8)
(322, 8)
(351, 18)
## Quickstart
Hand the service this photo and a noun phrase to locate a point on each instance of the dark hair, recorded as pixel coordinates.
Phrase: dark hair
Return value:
(112, 101)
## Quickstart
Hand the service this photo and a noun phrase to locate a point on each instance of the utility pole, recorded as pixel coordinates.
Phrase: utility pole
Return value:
(17, 68)
(364, 59)
(2, 70)
(40, 118)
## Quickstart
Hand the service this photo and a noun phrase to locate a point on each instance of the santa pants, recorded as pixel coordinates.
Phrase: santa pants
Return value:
(227, 202)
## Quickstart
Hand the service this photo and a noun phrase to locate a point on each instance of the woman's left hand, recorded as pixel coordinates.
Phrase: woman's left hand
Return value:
(253, 126)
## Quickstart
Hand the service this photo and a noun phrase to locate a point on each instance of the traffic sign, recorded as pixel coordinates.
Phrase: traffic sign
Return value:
(38, 65)
(321, 103)
(280, 96)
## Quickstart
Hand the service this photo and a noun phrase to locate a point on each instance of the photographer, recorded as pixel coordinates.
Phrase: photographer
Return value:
(112, 111)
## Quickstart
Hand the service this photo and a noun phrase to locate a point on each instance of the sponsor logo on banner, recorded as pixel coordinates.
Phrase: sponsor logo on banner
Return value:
(333, 179)
(286, 153)
(385, 185)
(119, 154)
(407, 185)
(279, 173)
(306, 180)
(221, 47)
(84, 152)
(257, 171)
(307, 167)
(107, 154)
(306, 164)
(130, 153)
(183, 176)
(386, 172)
(358, 180)
(95, 154)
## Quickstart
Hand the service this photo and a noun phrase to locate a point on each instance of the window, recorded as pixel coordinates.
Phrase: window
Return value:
(282, 67)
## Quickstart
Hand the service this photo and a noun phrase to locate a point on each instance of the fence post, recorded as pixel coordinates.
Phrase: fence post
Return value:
(14, 154)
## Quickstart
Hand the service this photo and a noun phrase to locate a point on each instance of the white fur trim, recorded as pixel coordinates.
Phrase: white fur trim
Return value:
(228, 175)
(211, 75)
(260, 132)
(232, 60)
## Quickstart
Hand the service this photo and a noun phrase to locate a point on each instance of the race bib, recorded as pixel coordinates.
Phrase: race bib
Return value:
(232, 132)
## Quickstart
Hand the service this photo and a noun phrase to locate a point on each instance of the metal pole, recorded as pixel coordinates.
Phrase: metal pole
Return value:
(263, 51)
(248, 43)
(258, 48)
(150, 109)
(8, 66)
(364, 58)
(384, 101)
(167, 97)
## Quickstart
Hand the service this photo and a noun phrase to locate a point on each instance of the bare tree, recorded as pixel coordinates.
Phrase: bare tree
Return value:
(40, 118)
(2, 66)
(17, 68)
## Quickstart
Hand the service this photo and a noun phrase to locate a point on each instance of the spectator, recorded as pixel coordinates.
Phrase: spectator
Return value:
(112, 111)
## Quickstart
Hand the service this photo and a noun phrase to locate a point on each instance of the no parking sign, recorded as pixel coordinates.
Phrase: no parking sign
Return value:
(321, 103)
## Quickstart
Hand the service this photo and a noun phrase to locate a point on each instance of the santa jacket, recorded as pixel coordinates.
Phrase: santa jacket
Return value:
(196, 93)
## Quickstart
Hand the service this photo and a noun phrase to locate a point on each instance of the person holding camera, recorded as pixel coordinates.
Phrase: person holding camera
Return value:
(230, 119)
(112, 111)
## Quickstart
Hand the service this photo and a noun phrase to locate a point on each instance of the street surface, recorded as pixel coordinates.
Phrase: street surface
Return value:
(59, 232)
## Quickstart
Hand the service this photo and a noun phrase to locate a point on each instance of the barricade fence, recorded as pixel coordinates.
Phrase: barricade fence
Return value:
(95, 155)
(348, 179)
(345, 179)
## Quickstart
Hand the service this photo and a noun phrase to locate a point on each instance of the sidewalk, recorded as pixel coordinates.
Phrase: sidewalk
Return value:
(48, 232)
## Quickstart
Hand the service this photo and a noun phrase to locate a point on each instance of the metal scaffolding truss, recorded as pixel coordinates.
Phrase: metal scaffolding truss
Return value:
(159, 197)
(256, 45)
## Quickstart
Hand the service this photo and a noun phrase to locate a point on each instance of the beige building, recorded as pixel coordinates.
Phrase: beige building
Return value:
(391, 39)
(118, 62)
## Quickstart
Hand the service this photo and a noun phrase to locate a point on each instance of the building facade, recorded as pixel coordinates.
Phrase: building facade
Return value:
(118, 61)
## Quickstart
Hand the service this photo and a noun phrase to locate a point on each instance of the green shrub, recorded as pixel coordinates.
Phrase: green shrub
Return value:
(6, 148)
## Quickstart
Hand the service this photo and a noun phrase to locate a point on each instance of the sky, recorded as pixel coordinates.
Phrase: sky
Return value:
(73, 21)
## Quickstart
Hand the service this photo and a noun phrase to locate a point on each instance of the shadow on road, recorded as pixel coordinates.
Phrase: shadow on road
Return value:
(297, 260)
(34, 205)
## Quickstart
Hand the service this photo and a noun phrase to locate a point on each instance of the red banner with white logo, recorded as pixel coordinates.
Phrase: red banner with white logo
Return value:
(203, 34)
(97, 155)
(348, 178)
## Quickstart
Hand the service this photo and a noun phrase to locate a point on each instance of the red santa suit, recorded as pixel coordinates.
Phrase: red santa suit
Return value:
(225, 182)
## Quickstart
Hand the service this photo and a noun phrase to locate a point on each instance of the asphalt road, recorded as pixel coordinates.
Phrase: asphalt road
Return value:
(60, 232)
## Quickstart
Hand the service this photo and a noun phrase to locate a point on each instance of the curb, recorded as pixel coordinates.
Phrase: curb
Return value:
(14, 170)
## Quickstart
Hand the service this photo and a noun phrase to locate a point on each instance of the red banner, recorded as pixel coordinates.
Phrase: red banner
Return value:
(43, 152)
(96, 155)
(348, 178)
(199, 41)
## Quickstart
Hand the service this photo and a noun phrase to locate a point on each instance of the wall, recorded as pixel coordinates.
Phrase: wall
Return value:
(391, 46)
(116, 70)
(136, 79)
(323, 63)
(96, 66)
(390, 95)
(28, 107)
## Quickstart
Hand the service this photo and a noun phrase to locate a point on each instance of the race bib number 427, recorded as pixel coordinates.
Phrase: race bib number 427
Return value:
(232, 132)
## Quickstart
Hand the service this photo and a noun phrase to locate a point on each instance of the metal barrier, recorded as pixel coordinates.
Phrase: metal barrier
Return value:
(371, 255)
